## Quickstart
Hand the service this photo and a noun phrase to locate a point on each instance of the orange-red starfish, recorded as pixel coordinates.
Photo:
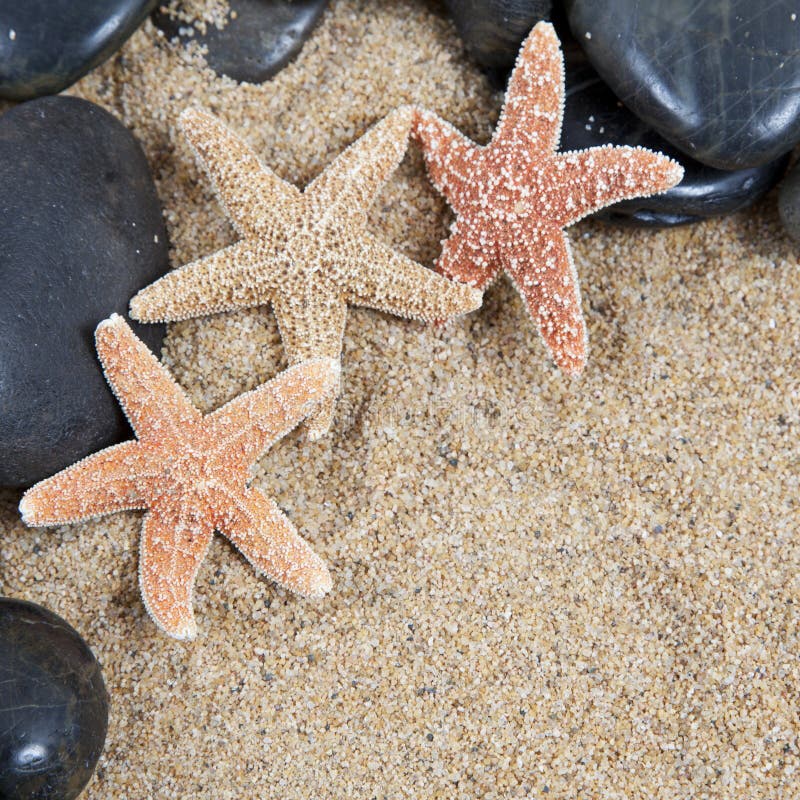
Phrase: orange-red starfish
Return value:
(191, 472)
(514, 196)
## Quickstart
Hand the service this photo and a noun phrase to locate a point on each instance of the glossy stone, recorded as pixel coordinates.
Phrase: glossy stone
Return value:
(53, 705)
(717, 78)
(789, 203)
(493, 30)
(82, 233)
(260, 38)
(46, 45)
(593, 116)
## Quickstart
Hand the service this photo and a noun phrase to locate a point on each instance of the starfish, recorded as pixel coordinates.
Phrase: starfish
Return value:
(306, 253)
(190, 472)
(514, 196)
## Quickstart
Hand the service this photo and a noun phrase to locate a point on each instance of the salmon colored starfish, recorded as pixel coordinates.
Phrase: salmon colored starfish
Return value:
(308, 253)
(514, 196)
(190, 472)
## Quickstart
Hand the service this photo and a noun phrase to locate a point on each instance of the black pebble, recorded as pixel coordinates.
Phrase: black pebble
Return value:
(717, 78)
(594, 116)
(53, 705)
(82, 233)
(789, 203)
(46, 45)
(260, 38)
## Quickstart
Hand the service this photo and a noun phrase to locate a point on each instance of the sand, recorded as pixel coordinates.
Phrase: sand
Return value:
(543, 586)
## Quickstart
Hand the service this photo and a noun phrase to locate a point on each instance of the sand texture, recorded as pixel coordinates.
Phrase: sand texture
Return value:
(544, 586)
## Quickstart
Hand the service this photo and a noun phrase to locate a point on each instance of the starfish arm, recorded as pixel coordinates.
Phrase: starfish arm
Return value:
(451, 158)
(544, 274)
(115, 479)
(464, 258)
(255, 198)
(253, 422)
(236, 277)
(534, 105)
(351, 181)
(269, 541)
(153, 402)
(311, 324)
(597, 177)
(319, 423)
(389, 281)
(173, 544)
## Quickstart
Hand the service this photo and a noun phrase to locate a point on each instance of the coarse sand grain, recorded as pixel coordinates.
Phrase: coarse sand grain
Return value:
(543, 586)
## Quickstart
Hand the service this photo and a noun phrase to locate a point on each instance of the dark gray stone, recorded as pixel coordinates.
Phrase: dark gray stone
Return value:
(789, 203)
(259, 41)
(593, 116)
(717, 78)
(53, 705)
(82, 233)
(493, 30)
(46, 45)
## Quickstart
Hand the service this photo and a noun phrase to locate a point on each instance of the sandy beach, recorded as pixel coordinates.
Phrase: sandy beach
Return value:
(543, 586)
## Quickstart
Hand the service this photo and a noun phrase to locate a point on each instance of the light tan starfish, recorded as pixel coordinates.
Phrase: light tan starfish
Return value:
(307, 253)
(514, 196)
(191, 472)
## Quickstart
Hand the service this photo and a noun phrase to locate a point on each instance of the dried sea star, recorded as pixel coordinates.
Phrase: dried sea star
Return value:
(190, 472)
(306, 253)
(514, 196)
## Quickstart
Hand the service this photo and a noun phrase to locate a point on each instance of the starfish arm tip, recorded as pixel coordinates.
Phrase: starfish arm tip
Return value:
(666, 172)
(36, 514)
(115, 320)
(576, 367)
(542, 33)
(109, 335)
(189, 115)
(675, 173)
(468, 300)
(331, 383)
(185, 632)
(141, 308)
(109, 329)
(184, 629)
(27, 510)
(547, 28)
(316, 582)
(574, 360)
(334, 368)
(474, 298)
(326, 369)
(137, 307)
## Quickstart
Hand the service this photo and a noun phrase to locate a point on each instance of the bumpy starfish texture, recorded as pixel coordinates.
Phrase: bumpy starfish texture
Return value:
(190, 472)
(514, 196)
(306, 253)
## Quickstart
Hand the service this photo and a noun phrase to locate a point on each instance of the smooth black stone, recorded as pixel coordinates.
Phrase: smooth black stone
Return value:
(82, 233)
(717, 78)
(789, 203)
(53, 705)
(594, 116)
(259, 41)
(55, 42)
(493, 30)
